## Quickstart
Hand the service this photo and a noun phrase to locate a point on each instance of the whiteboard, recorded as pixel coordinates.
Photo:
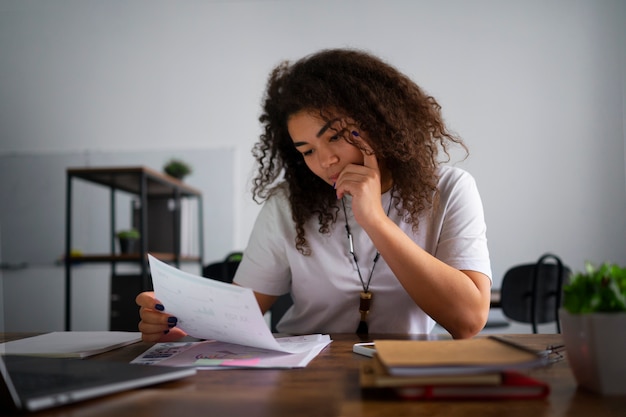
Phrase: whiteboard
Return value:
(33, 201)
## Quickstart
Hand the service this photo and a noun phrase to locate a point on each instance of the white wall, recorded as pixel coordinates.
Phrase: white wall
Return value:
(536, 88)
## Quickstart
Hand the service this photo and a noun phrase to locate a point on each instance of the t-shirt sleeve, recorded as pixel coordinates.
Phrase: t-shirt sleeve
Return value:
(264, 266)
(463, 235)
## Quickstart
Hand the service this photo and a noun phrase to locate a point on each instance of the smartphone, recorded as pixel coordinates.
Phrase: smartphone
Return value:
(365, 349)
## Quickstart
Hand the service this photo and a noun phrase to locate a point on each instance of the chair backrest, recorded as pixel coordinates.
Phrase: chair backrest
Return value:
(532, 293)
(225, 271)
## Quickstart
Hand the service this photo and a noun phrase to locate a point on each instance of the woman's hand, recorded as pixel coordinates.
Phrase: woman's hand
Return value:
(155, 325)
(363, 183)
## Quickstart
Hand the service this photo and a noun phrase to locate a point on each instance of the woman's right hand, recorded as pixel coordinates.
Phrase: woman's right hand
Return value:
(155, 325)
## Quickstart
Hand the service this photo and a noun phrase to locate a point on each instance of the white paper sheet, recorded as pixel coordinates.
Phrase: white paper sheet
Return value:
(220, 355)
(214, 310)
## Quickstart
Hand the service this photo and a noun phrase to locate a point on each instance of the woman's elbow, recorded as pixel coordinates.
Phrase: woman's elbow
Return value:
(466, 333)
(469, 327)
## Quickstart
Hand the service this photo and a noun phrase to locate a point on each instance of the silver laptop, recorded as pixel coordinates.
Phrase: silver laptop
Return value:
(31, 383)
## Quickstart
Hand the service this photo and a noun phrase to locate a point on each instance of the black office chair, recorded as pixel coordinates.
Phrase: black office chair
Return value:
(225, 271)
(532, 293)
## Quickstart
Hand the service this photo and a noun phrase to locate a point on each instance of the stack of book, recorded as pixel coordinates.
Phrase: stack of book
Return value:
(479, 368)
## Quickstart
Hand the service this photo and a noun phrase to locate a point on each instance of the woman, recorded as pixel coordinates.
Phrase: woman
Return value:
(361, 223)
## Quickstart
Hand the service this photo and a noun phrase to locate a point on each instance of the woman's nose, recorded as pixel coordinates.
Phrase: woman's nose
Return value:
(326, 157)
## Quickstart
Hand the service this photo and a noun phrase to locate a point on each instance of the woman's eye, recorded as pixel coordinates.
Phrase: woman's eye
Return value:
(334, 138)
(307, 153)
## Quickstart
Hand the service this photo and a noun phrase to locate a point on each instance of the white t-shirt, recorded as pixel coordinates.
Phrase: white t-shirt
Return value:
(325, 285)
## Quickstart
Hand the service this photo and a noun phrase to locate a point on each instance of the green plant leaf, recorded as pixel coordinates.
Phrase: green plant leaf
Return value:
(601, 289)
(128, 234)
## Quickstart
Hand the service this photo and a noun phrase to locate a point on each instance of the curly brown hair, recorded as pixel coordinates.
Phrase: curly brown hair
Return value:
(405, 129)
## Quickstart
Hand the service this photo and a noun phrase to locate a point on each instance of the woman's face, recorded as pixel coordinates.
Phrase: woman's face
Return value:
(324, 151)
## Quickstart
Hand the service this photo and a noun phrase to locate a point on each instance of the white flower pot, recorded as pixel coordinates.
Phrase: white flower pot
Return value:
(596, 350)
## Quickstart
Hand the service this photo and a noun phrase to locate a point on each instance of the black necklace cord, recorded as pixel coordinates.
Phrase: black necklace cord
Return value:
(366, 295)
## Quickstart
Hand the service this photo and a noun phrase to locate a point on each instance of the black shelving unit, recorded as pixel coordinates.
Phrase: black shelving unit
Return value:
(148, 186)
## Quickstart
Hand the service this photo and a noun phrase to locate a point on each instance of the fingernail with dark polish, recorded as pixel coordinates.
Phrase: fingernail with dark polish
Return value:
(166, 331)
(159, 307)
(172, 320)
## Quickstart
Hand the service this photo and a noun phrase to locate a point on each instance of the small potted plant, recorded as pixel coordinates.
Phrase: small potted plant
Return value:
(177, 168)
(593, 319)
(128, 240)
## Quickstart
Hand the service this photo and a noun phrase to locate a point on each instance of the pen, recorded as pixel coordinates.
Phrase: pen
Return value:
(541, 354)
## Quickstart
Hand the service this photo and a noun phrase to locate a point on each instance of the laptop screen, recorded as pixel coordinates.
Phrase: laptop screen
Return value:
(34, 383)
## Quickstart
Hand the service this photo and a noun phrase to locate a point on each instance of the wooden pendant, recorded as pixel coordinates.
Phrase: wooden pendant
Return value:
(364, 309)
(365, 304)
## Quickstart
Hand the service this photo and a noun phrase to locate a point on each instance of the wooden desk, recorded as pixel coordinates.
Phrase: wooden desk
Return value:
(327, 387)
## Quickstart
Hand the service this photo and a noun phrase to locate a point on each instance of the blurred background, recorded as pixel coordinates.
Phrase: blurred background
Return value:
(535, 88)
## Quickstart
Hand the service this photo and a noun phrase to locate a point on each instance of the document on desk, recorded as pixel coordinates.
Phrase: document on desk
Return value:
(214, 310)
(212, 354)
